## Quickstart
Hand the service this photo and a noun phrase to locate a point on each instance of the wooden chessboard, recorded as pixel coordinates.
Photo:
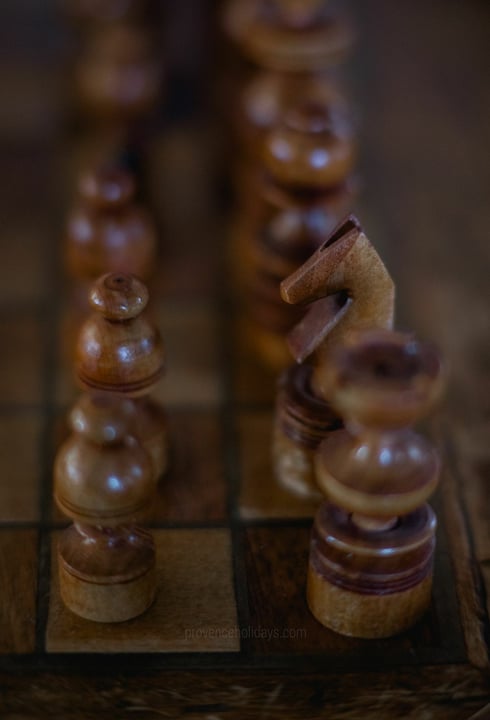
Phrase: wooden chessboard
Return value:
(230, 635)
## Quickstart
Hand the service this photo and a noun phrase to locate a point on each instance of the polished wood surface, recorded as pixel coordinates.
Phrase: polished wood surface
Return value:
(419, 80)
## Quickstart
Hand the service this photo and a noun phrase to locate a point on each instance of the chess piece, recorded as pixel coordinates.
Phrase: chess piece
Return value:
(371, 555)
(104, 482)
(306, 188)
(119, 350)
(119, 76)
(288, 35)
(348, 288)
(107, 230)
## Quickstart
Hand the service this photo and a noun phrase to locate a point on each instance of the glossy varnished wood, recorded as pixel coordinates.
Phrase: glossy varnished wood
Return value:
(419, 216)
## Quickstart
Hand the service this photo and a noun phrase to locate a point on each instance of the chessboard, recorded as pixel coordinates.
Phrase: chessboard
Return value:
(230, 634)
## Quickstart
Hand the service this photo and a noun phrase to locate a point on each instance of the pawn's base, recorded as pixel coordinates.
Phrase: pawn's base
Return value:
(366, 616)
(108, 603)
(106, 574)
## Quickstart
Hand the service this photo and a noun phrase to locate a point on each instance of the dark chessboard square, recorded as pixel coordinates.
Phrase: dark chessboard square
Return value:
(190, 335)
(20, 466)
(22, 361)
(26, 249)
(194, 488)
(181, 164)
(281, 623)
(253, 382)
(194, 611)
(261, 496)
(18, 583)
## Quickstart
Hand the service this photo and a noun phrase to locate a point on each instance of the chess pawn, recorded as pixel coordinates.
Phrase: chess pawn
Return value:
(104, 482)
(119, 350)
(119, 76)
(107, 230)
(308, 160)
(347, 287)
(371, 555)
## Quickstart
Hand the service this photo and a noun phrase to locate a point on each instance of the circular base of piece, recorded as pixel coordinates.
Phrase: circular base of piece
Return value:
(109, 602)
(362, 615)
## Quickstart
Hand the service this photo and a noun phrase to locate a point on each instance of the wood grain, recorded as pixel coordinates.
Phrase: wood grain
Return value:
(194, 488)
(18, 580)
(441, 693)
(20, 466)
(277, 560)
(194, 609)
(261, 496)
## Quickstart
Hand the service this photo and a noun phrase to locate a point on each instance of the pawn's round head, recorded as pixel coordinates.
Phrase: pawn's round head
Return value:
(385, 379)
(118, 296)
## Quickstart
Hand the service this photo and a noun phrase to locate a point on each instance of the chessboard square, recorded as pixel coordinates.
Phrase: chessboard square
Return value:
(20, 466)
(194, 611)
(180, 164)
(253, 382)
(22, 362)
(192, 345)
(261, 496)
(277, 563)
(26, 249)
(194, 487)
(18, 583)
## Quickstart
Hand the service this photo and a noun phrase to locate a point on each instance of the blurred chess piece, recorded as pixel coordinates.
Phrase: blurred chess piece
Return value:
(289, 208)
(107, 229)
(371, 556)
(288, 35)
(347, 287)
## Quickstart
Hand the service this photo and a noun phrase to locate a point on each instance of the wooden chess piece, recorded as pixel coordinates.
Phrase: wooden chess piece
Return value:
(372, 547)
(104, 482)
(288, 35)
(119, 350)
(306, 188)
(118, 76)
(107, 230)
(348, 288)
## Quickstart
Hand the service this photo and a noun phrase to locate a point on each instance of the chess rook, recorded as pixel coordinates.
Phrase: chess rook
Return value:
(119, 350)
(347, 287)
(104, 482)
(371, 555)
